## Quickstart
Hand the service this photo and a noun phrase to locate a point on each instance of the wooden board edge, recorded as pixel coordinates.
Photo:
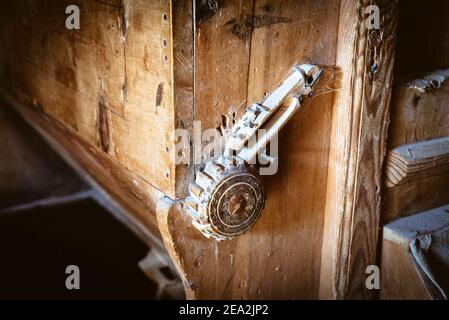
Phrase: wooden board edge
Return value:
(138, 216)
(358, 147)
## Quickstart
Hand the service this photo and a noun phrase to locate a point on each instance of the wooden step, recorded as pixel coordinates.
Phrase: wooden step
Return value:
(414, 259)
(420, 109)
(416, 168)
(412, 162)
(416, 177)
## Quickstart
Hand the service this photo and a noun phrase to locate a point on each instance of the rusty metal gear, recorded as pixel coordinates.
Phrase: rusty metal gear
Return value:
(226, 199)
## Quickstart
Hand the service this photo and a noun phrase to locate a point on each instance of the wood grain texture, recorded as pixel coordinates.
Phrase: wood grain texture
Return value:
(412, 162)
(416, 177)
(358, 146)
(110, 82)
(400, 279)
(183, 77)
(416, 196)
(243, 50)
(222, 51)
(410, 268)
(420, 109)
(419, 113)
(109, 97)
(295, 193)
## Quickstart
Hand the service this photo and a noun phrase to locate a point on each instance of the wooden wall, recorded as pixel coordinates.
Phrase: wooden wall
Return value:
(418, 127)
(109, 83)
(136, 70)
(419, 110)
(242, 50)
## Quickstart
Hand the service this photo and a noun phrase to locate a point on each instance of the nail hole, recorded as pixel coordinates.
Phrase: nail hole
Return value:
(164, 42)
(224, 121)
(166, 58)
(165, 17)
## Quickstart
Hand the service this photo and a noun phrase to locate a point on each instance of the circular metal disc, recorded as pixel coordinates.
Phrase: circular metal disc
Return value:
(236, 204)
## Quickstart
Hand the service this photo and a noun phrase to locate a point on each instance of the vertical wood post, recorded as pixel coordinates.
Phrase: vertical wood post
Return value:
(357, 149)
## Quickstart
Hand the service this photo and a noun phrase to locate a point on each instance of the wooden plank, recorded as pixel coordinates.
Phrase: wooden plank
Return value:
(296, 32)
(110, 82)
(411, 162)
(145, 140)
(221, 59)
(400, 279)
(222, 49)
(415, 196)
(410, 270)
(358, 145)
(183, 77)
(420, 109)
(419, 113)
(243, 50)
(120, 187)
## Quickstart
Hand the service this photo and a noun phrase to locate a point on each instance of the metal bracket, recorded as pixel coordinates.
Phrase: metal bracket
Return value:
(227, 198)
(272, 113)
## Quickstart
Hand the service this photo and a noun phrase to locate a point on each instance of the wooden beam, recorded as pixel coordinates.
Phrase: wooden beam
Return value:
(183, 80)
(410, 268)
(110, 82)
(416, 196)
(358, 144)
(416, 176)
(399, 278)
(131, 199)
(411, 162)
(242, 50)
(420, 109)
(419, 113)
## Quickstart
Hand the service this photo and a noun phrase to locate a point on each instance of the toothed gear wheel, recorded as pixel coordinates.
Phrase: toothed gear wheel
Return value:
(226, 199)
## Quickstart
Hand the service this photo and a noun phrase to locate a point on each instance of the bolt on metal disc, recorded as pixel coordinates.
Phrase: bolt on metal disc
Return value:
(225, 199)
(236, 204)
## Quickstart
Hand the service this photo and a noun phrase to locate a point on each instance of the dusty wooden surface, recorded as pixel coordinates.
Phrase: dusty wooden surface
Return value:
(400, 279)
(109, 83)
(416, 196)
(112, 94)
(420, 109)
(419, 113)
(416, 161)
(183, 79)
(358, 145)
(416, 177)
(242, 51)
(411, 254)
